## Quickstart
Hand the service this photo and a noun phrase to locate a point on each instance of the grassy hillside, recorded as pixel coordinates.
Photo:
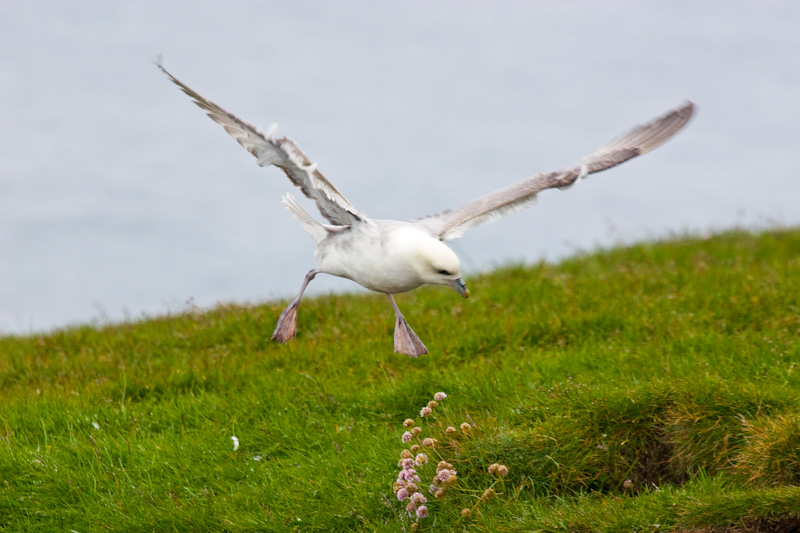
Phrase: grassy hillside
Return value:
(650, 388)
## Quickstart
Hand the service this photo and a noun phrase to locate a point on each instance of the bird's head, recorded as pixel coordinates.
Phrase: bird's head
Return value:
(439, 265)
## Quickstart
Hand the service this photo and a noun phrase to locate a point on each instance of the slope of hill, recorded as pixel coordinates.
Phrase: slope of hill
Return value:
(647, 388)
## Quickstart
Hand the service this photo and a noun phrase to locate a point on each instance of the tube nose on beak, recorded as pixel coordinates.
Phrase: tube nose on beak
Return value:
(460, 287)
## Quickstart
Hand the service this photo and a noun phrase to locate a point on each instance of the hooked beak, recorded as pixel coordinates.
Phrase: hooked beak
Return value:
(460, 287)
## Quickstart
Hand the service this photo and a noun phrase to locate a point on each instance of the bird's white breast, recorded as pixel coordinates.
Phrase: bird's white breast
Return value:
(376, 254)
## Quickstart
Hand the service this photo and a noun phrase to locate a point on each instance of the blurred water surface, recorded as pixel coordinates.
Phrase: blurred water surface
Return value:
(118, 198)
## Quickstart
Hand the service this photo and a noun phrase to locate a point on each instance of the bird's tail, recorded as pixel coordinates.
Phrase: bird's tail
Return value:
(315, 229)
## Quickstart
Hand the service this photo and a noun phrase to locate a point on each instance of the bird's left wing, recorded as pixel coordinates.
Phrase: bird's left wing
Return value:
(641, 139)
(281, 152)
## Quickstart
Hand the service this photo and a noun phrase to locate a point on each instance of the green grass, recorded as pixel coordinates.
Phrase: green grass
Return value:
(648, 388)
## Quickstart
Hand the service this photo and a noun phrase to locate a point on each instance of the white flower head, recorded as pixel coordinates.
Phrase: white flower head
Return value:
(439, 396)
(235, 443)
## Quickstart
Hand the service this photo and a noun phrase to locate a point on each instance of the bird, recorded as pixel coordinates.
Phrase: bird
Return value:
(394, 256)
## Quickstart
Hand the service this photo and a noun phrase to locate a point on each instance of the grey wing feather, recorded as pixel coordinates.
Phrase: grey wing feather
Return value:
(282, 153)
(641, 139)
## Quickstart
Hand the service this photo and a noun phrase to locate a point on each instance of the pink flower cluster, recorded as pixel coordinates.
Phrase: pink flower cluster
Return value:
(433, 404)
(444, 479)
(406, 487)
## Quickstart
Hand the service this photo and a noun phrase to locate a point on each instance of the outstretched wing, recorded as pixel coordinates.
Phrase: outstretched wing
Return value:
(641, 139)
(284, 154)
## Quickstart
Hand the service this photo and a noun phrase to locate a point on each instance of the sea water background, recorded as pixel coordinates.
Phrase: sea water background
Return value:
(119, 199)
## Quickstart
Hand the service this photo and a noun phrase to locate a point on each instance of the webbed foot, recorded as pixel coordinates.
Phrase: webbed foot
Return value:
(405, 340)
(287, 324)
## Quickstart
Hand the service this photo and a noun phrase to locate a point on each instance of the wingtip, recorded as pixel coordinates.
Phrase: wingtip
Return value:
(159, 62)
(684, 113)
(687, 108)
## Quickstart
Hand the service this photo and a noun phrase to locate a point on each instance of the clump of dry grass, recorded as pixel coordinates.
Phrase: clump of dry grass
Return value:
(770, 455)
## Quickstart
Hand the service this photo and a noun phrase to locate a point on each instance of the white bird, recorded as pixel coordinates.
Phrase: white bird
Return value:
(392, 256)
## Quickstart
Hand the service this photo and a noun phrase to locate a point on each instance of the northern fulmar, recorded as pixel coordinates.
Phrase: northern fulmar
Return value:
(393, 256)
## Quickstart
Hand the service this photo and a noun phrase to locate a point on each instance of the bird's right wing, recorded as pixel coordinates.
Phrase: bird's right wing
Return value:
(641, 139)
(284, 154)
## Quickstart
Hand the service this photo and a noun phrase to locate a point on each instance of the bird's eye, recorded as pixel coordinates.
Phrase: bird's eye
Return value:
(444, 272)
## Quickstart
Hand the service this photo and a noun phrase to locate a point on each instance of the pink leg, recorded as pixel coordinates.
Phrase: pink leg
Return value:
(405, 340)
(287, 323)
